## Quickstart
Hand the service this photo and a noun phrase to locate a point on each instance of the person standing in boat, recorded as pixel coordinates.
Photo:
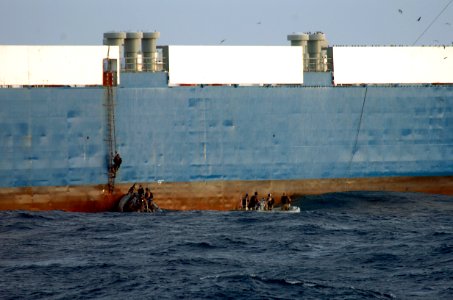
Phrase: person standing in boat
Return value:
(131, 189)
(149, 199)
(286, 202)
(140, 192)
(141, 198)
(253, 201)
(270, 202)
(245, 201)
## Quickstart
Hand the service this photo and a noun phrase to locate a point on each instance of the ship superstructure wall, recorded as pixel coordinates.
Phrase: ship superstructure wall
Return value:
(54, 65)
(227, 65)
(244, 65)
(393, 65)
(264, 65)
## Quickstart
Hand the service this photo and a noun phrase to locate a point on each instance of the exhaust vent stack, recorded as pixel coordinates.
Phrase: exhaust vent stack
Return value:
(301, 39)
(317, 42)
(149, 49)
(132, 51)
(114, 38)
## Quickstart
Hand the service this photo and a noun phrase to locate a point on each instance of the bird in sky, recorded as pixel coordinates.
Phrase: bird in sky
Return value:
(400, 11)
(222, 41)
(419, 18)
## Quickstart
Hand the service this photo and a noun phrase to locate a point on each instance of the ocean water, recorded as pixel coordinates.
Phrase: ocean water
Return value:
(365, 245)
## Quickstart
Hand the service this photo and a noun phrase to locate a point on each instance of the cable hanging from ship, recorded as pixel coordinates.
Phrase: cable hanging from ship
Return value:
(432, 22)
(354, 149)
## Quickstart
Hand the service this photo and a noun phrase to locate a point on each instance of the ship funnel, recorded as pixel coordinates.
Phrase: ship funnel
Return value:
(298, 39)
(114, 38)
(149, 49)
(301, 39)
(317, 44)
(132, 51)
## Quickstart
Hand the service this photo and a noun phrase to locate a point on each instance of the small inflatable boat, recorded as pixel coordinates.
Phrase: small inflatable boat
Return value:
(132, 202)
(292, 209)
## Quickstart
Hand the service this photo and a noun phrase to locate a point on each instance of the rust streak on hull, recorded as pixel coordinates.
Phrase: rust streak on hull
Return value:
(67, 198)
(210, 195)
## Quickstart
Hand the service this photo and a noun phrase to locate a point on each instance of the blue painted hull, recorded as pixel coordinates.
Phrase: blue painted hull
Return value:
(55, 137)
(185, 134)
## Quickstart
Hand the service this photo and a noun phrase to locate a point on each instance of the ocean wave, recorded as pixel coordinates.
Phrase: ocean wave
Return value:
(364, 246)
(288, 288)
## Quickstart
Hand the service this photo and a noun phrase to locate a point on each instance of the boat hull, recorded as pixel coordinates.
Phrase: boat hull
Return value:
(208, 195)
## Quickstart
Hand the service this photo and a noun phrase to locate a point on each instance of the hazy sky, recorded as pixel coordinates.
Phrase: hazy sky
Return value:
(239, 22)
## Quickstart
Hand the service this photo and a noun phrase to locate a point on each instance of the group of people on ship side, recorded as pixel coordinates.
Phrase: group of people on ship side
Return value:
(254, 203)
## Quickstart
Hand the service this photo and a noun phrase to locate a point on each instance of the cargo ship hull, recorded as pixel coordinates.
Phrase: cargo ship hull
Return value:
(202, 147)
(211, 195)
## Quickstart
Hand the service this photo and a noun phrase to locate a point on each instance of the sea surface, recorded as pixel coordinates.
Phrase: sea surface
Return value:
(361, 245)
